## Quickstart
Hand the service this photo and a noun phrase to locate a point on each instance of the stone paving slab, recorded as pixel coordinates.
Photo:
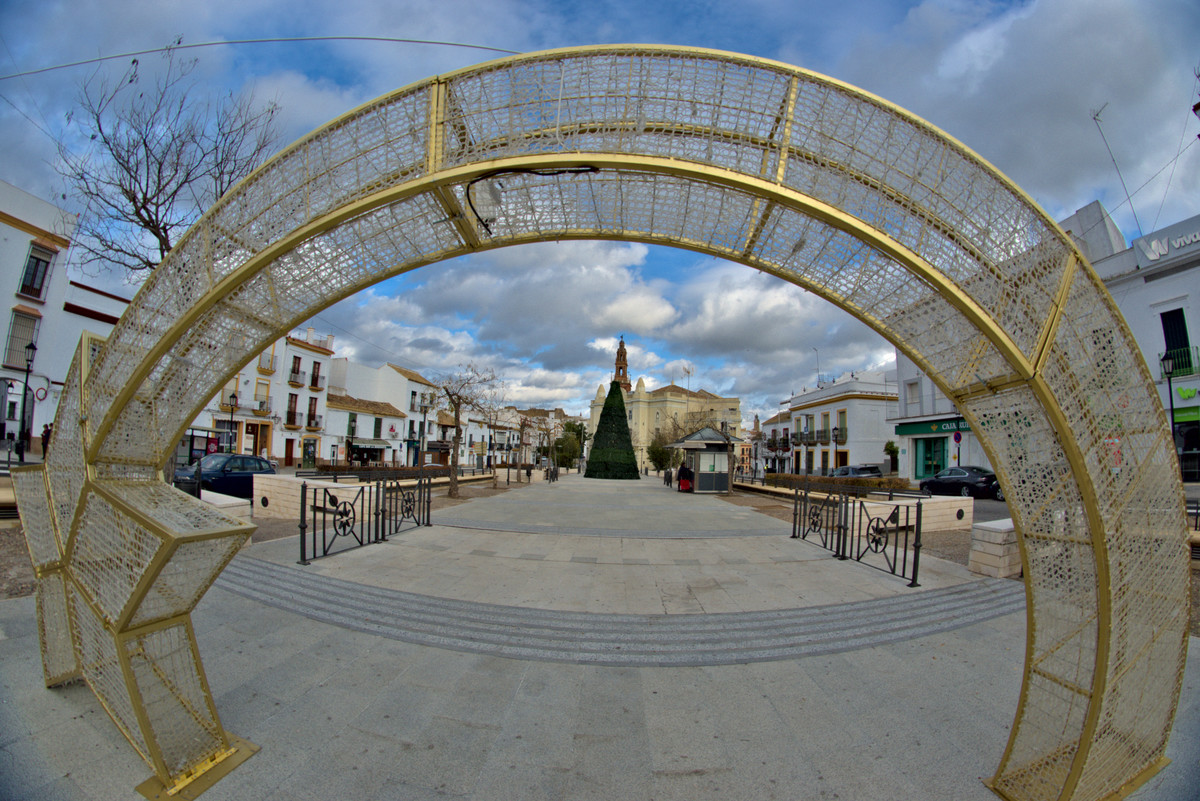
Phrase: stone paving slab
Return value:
(349, 714)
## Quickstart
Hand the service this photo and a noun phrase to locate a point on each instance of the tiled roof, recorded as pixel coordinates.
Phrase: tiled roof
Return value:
(411, 375)
(698, 393)
(349, 403)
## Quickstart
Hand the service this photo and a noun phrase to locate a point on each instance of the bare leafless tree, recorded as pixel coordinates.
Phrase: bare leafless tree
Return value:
(463, 390)
(490, 407)
(147, 155)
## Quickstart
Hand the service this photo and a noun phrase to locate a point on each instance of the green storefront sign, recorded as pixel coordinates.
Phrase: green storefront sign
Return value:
(932, 427)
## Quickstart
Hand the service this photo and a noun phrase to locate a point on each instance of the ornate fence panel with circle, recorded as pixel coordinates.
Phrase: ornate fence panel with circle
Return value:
(786, 171)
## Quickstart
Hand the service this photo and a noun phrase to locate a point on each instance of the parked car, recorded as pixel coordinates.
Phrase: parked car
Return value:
(967, 480)
(858, 471)
(226, 473)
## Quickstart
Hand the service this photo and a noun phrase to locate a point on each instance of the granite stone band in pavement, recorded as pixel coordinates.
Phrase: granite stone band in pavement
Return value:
(469, 663)
(619, 640)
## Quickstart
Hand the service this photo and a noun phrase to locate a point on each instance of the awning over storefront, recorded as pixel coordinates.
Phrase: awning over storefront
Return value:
(929, 427)
(371, 443)
(1187, 414)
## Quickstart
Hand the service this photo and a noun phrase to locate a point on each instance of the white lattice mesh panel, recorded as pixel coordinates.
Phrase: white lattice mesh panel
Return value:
(188, 573)
(169, 685)
(66, 466)
(179, 514)
(54, 629)
(111, 555)
(1061, 581)
(1119, 428)
(101, 669)
(29, 485)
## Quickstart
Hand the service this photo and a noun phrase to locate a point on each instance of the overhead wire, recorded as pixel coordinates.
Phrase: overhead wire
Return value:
(1182, 134)
(267, 40)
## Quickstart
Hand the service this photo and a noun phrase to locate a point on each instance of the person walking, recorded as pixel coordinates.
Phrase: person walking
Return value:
(45, 440)
(667, 477)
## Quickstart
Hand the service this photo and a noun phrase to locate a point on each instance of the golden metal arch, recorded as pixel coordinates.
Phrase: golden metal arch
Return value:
(755, 161)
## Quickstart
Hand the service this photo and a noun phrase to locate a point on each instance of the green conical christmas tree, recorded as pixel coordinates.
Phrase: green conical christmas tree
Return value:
(612, 448)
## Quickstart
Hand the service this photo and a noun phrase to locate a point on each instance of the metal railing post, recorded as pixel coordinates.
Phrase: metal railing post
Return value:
(428, 501)
(842, 513)
(380, 534)
(916, 550)
(796, 516)
(303, 527)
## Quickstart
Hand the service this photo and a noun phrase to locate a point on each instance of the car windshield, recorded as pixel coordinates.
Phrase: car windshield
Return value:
(983, 471)
(214, 461)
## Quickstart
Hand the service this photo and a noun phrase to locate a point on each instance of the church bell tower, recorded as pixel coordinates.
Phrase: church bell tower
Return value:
(622, 372)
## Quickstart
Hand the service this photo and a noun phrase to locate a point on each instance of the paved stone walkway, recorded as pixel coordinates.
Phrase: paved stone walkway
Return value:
(500, 660)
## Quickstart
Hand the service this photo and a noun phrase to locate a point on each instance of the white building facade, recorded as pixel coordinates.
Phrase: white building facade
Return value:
(843, 422)
(775, 443)
(274, 406)
(1156, 284)
(48, 310)
(928, 429)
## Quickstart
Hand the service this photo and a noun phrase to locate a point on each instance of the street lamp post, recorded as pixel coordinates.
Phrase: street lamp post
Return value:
(834, 436)
(1168, 366)
(426, 402)
(30, 352)
(233, 401)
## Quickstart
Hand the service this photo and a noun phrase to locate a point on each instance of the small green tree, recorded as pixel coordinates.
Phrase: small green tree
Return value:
(892, 451)
(579, 430)
(566, 450)
(660, 455)
(612, 447)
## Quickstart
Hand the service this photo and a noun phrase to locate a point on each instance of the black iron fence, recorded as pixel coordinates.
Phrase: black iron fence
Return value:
(876, 532)
(332, 521)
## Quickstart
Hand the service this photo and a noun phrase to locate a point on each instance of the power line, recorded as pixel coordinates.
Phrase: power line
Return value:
(1096, 119)
(271, 40)
(1182, 134)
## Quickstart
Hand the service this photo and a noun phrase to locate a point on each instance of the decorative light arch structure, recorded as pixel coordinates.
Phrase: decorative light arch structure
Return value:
(789, 172)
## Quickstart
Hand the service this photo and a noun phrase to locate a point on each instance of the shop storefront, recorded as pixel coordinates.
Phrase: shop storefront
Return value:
(930, 446)
(1187, 441)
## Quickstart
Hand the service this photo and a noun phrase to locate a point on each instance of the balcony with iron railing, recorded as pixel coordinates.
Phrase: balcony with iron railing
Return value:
(261, 407)
(314, 422)
(1184, 362)
(293, 419)
(298, 379)
(822, 436)
(317, 383)
(266, 364)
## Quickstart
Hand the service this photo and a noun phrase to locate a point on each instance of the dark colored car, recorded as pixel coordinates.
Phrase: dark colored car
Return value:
(858, 471)
(967, 481)
(226, 473)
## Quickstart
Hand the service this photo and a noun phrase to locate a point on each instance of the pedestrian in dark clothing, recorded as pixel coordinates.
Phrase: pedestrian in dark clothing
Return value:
(667, 476)
(45, 440)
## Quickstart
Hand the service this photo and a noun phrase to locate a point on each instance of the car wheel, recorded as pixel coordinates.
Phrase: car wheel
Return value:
(999, 493)
(965, 492)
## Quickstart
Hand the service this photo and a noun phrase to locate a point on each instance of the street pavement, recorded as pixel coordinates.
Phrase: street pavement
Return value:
(578, 640)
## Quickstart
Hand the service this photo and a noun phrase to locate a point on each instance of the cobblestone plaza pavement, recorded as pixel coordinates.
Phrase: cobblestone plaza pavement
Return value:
(579, 640)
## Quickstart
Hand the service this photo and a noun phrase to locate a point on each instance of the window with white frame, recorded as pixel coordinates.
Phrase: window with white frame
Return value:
(37, 267)
(22, 329)
(912, 393)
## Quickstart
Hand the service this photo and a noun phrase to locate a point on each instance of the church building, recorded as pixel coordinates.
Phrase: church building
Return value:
(672, 410)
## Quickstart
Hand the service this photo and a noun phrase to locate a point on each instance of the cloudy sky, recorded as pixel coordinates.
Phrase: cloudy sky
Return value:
(1018, 82)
